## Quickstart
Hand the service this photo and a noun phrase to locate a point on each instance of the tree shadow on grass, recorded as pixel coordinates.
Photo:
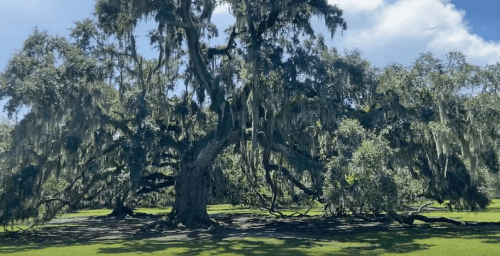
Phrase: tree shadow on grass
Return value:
(412, 239)
(245, 247)
(258, 237)
(372, 243)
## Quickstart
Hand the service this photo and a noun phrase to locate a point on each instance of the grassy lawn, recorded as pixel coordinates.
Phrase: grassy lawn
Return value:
(212, 209)
(410, 242)
(434, 240)
(490, 214)
(227, 208)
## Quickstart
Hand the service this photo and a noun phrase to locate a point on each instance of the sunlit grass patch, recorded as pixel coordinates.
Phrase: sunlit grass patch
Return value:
(87, 213)
(230, 209)
(161, 211)
(494, 205)
(467, 216)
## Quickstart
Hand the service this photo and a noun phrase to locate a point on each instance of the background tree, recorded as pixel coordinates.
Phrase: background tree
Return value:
(78, 127)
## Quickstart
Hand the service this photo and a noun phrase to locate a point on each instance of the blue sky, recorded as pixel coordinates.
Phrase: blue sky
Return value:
(384, 30)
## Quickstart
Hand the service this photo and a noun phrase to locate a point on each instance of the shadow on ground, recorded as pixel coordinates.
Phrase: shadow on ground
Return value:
(244, 235)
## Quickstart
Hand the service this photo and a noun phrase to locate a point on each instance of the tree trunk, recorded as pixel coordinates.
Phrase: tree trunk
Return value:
(193, 182)
(121, 210)
(191, 197)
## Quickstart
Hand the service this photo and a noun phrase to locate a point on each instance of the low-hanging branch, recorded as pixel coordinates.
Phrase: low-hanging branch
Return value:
(55, 196)
(412, 216)
(296, 182)
(72, 203)
(295, 159)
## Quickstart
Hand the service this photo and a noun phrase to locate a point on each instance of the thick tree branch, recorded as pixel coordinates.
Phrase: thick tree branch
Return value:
(56, 195)
(154, 182)
(296, 182)
(409, 219)
(271, 19)
(193, 42)
(212, 146)
(150, 187)
(223, 51)
(72, 203)
(157, 176)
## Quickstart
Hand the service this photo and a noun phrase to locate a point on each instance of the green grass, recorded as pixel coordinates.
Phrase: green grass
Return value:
(227, 208)
(87, 213)
(211, 209)
(408, 242)
(494, 205)
(103, 212)
(488, 216)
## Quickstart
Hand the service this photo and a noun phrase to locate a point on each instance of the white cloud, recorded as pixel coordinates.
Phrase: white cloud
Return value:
(401, 30)
(356, 6)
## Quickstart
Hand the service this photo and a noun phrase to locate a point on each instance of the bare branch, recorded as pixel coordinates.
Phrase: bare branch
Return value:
(420, 208)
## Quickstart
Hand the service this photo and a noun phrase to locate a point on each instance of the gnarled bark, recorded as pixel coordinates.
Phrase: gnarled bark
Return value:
(192, 183)
(191, 196)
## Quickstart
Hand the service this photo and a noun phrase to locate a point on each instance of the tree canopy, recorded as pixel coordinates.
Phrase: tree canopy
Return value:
(272, 111)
